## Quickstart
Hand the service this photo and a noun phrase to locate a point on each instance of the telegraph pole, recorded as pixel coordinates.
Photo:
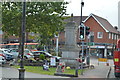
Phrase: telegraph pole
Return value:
(22, 41)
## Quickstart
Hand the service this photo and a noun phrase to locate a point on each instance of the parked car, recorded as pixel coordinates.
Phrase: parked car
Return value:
(2, 55)
(42, 52)
(8, 56)
(14, 52)
(28, 54)
(37, 54)
(2, 60)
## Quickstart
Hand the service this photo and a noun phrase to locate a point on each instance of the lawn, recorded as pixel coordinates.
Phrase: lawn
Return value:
(52, 70)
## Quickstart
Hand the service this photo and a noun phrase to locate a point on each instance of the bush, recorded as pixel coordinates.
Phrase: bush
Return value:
(42, 56)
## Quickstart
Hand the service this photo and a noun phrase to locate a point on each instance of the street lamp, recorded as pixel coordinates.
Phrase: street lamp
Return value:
(22, 41)
(57, 42)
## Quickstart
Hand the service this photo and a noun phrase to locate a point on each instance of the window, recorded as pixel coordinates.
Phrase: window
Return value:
(109, 35)
(112, 36)
(100, 35)
(115, 36)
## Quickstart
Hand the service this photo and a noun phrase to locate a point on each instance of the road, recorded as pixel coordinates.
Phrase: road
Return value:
(100, 71)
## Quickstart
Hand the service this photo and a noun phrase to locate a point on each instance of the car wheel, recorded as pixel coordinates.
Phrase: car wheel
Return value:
(26, 57)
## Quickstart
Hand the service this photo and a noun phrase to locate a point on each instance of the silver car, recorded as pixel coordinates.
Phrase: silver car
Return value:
(8, 56)
(14, 52)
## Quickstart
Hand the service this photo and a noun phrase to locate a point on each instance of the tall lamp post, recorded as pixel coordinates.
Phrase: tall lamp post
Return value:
(57, 42)
(22, 41)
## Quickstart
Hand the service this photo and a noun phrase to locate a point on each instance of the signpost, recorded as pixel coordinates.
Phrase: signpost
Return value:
(52, 61)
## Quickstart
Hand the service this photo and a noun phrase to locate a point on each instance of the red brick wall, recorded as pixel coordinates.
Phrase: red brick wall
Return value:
(96, 27)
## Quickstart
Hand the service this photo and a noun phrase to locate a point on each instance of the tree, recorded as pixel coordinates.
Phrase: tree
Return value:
(43, 18)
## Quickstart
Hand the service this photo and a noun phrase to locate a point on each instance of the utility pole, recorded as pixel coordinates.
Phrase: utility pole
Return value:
(22, 41)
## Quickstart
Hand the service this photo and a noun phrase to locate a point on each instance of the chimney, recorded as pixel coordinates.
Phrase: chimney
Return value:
(116, 27)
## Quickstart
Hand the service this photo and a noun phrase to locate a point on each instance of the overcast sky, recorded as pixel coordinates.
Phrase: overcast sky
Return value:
(107, 9)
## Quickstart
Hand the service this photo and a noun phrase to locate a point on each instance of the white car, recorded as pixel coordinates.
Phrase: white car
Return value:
(37, 53)
(8, 56)
(28, 54)
(2, 60)
(14, 52)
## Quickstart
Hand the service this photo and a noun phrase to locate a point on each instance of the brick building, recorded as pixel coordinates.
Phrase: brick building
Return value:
(102, 33)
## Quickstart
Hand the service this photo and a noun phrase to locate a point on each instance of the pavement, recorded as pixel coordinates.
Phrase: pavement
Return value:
(99, 71)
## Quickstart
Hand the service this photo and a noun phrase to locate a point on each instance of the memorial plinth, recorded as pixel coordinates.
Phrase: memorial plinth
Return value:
(70, 52)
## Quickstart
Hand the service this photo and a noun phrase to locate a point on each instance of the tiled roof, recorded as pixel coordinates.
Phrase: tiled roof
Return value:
(105, 24)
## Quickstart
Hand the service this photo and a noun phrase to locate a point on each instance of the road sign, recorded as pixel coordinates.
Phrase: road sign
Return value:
(52, 61)
(102, 59)
(91, 43)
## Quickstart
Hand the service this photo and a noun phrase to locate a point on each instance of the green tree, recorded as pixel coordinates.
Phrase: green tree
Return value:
(43, 18)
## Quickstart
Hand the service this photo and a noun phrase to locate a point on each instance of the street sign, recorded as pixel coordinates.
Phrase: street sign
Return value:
(102, 59)
(91, 43)
(52, 61)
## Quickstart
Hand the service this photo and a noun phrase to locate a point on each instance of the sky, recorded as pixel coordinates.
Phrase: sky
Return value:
(107, 9)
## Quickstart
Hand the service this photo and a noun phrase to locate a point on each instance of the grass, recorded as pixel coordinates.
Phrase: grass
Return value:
(52, 70)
